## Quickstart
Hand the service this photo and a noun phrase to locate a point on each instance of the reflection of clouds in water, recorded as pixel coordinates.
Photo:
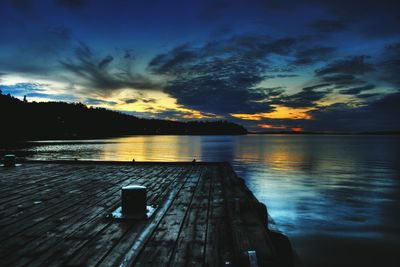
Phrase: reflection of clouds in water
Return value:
(327, 185)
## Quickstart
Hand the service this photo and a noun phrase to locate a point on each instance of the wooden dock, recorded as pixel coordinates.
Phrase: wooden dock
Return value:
(58, 214)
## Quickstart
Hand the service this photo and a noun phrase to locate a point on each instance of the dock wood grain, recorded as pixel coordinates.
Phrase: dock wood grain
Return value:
(56, 214)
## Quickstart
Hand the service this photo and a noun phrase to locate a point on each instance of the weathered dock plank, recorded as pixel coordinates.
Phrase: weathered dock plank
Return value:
(189, 247)
(76, 238)
(121, 249)
(158, 250)
(114, 232)
(57, 214)
(219, 250)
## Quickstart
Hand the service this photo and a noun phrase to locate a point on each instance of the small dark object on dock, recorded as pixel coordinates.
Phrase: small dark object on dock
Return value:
(194, 160)
(133, 200)
(133, 204)
(9, 161)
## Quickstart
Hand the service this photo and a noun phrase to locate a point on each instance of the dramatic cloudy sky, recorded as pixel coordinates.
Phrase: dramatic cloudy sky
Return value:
(311, 65)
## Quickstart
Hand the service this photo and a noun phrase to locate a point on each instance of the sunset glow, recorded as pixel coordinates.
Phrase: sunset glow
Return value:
(269, 126)
(280, 112)
(297, 129)
(208, 61)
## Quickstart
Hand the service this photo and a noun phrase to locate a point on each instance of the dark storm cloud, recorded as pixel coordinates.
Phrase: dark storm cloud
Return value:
(390, 64)
(174, 62)
(357, 90)
(321, 85)
(130, 100)
(328, 26)
(252, 46)
(353, 65)
(220, 93)
(353, 74)
(97, 75)
(313, 55)
(149, 100)
(307, 97)
(380, 114)
(105, 62)
(349, 74)
(342, 80)
(221, 77)
(366, 96)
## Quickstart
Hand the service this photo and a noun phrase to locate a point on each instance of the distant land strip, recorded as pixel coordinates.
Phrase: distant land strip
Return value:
(328, 133)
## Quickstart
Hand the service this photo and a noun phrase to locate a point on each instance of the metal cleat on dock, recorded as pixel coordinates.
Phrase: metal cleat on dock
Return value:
(9, 161)
(133, 204)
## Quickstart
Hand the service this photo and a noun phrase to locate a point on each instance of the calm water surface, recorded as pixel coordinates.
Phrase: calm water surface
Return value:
(336, 197)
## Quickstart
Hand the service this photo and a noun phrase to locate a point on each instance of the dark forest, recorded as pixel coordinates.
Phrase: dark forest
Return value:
(23, 120)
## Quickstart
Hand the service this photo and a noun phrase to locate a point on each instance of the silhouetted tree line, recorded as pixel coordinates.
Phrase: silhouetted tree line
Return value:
(23, 120)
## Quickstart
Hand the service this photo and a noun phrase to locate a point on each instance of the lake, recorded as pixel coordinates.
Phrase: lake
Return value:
(337, 197)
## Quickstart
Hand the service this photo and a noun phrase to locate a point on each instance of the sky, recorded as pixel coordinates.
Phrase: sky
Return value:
(269, 65)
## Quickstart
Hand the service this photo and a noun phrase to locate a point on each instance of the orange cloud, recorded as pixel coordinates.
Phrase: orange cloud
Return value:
(280, 112)
(270, 126)
(297, 129)
(279, 127)
(248, 117)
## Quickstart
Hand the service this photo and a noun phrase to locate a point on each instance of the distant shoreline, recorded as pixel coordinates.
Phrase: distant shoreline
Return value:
(96, 139)
(59, 120)
(327, 133)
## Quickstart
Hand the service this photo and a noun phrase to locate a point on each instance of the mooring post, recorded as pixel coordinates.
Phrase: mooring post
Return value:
(133, 200)
(9, 160)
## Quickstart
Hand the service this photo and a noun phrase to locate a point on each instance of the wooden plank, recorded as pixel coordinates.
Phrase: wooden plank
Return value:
(159, 247)
(114, 232)
(74, 238)
(126, 249)
(218, 249)
(28, 178)
(26, 203)
(64, 200)
(58, 227)
(190, 245)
